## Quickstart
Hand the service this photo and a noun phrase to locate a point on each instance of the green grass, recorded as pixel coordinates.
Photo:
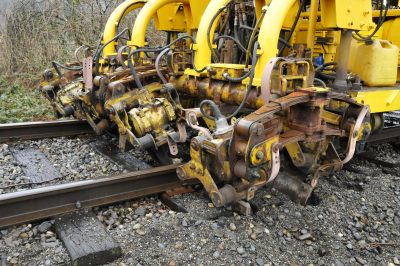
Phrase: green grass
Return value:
(19, 104)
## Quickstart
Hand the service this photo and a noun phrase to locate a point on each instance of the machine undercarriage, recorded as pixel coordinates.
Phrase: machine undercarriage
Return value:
(242, 94)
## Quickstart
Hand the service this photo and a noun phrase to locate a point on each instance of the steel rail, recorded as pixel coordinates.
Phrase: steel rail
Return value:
(36, 204)
(41, 130)
(391, 134)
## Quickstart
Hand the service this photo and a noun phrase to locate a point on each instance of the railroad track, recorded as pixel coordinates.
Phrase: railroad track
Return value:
(391, 134)
(42, 130)
(64, 202)
(36, 204)
(41, 203)
(53, 201)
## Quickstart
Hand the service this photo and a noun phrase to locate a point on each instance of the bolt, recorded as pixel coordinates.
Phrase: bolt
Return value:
(259, 155)
(180, 173)
(259, 130)
(256, 175)
(195, 145)
(78, 205)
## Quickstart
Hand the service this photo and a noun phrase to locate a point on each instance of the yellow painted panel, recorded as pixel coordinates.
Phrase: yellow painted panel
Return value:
(171, 18)
(379, 100)
(347, 14)
(197, 8)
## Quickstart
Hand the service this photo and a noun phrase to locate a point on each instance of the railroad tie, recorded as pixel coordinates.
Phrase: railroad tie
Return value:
(86, 239)
(83, 235)
(106, 148)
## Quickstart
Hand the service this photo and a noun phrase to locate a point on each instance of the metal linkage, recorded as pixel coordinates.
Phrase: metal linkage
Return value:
(36, 204)
(41, 130)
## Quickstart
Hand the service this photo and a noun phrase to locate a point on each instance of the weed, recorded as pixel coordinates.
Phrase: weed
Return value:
(19, 104)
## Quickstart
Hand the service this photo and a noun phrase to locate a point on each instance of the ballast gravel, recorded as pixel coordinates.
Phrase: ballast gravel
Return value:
(354, 219)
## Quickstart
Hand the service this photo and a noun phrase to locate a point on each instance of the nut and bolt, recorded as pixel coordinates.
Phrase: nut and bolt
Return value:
(260, 155)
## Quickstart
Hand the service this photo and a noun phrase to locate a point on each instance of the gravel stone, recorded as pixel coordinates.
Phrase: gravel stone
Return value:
(361, 260)
(260, 262)
(305, 236)
(232, 226)
(44, 227)
(140, 211)
(347, 205)
(240, 250)
(357, 236)
(216, 254)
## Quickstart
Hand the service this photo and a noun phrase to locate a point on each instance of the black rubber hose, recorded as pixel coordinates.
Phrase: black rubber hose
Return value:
(320, 81)
(158, 59)
(253, 37)
(378, 26)
(239, 79)
(326, 76)
(167, 46)
(241, 47)
(58, 65)
(296, 20)
(249, 87)
(319, 70)
(156, 50)
(132, 67)
(133, 70)
(96, 56)
(322, 67)
(216, 15)
(281, 40)
(123, 14)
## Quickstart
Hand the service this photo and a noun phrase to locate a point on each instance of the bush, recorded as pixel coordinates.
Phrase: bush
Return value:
(18, 105)
(37, 32)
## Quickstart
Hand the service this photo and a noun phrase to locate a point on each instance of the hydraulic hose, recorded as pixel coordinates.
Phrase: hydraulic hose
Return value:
(320, 81)
(241, 47)
(96, 56)
(319, 70)
(381, 20)
(249, 86)
(158, 59)
(133, 70)
(252, 37)
(58, 65)
(155, 50)
(296, 21)
(210, 25)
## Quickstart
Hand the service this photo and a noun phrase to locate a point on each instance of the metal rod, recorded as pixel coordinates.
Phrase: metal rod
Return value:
(40, 130)
(312, 25)
(340, 82)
